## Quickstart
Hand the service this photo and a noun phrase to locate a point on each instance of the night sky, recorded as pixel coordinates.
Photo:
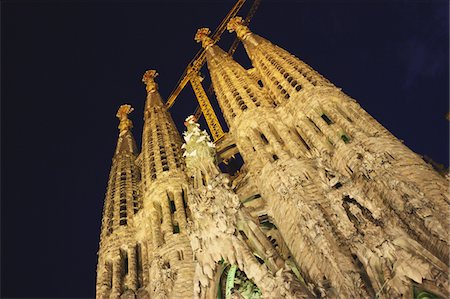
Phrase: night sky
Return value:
(67, 66)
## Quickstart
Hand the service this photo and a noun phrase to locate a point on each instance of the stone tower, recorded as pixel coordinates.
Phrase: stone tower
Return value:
(163, 186)
(117, 260)
(328, 203)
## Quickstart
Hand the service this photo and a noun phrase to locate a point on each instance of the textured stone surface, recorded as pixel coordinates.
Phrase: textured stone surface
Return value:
(328, 203)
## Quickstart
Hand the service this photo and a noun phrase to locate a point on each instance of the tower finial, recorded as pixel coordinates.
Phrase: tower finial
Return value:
(202, 36)
(122, 114)
(239, 25)
(149, 80)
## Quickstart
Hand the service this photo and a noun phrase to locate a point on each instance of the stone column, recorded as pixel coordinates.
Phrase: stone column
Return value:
(260, 148)
(274, 142)
(265, 248)
(116, 278)
(181, 213)
(132, 268)
(156, 227)
(166, 225)
(145, 272)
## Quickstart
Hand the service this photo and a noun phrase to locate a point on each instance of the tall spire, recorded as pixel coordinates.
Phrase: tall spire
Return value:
(164, 197)
(126, 142)
(122, 201)
(122, 193)
(236, 89)
(153, 97)
(161, 142)
(283, 73)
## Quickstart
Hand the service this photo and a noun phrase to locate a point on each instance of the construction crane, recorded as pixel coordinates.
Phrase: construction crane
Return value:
(191, 74)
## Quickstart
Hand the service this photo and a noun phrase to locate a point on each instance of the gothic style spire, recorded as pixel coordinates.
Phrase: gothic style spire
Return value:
(283, 73)
(236, 89)
(161, 142)
(346, 140)
(121, 203)
(121, 196)
(356, 213)
(164, 200)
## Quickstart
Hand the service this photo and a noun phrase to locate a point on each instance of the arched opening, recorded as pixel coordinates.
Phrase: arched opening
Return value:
(233, 283)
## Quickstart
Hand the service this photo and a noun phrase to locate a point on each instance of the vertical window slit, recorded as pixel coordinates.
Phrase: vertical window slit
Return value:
(326, 119)
(264, 139)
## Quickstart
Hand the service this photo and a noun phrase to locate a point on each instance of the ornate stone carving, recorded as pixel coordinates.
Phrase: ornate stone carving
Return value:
(164, 278)
(202, 36)
(237, 24)
(149, 80)
(358, 213)
(216, 215)
(122, 115)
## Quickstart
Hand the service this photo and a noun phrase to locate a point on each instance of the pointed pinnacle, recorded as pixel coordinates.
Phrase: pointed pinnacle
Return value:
(202, 36)
(238, 25)
(149, 80)
(122, 114)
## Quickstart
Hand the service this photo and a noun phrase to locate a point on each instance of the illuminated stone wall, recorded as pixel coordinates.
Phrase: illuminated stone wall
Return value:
(327, 204)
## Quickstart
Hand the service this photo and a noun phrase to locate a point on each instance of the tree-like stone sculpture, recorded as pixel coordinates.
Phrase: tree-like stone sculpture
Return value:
(216, 215)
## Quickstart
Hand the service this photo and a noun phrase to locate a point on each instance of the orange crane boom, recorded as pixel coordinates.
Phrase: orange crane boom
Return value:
(198, 111)
(191, 74)
(199, 59)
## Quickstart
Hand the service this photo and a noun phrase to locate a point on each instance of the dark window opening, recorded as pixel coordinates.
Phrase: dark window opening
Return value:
(184, 199)
(345, 138)
(263, 137)
(203, 179)
(347, 201)
(260, 83)
(243, 235)
(337, 185)
(260, 260)
(172, 206)
(135, 206)
(234, 164)
(273, 241)
(123, 222)
(327, 119)
(176, 229)
(275, 157)
(265, 222)
(263, 218)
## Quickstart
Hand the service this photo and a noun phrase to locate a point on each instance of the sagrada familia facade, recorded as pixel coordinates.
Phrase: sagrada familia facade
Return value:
(328, 203)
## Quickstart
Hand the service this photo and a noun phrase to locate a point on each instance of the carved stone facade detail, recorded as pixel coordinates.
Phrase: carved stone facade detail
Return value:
(327, 204)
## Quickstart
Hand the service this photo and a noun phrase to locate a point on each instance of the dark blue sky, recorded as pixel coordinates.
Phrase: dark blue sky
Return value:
(67, 66)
